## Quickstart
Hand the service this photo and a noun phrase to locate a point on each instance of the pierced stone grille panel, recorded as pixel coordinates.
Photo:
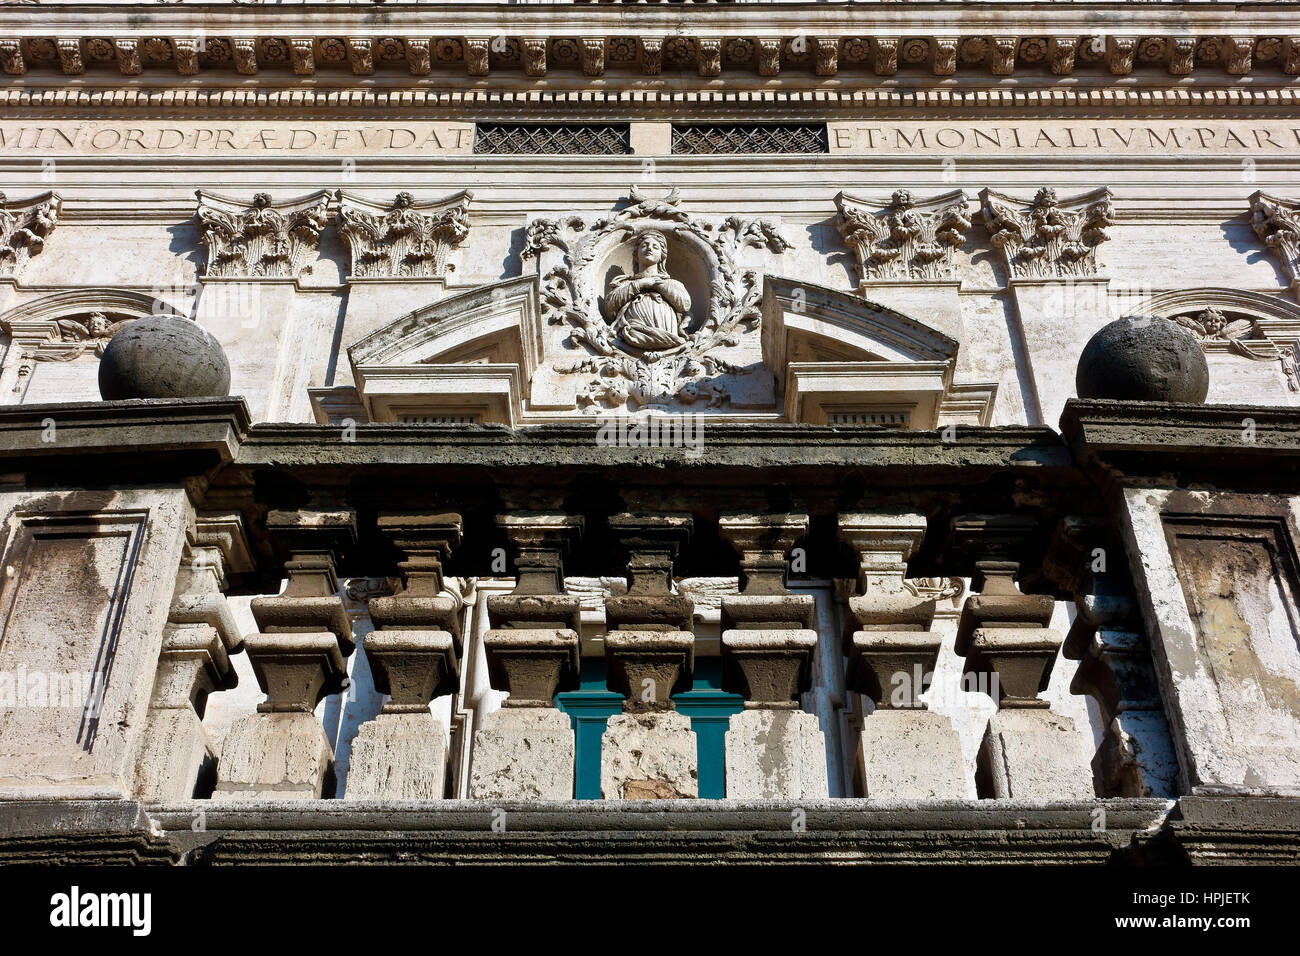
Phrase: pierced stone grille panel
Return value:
(575, 139)
(708, 139)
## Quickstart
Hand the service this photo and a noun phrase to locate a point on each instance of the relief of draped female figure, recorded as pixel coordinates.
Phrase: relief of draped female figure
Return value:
(650, 309)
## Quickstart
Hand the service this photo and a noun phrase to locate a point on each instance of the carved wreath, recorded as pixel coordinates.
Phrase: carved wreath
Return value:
(624, 375)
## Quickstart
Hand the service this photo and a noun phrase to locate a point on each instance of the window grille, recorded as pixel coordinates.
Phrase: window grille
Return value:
(569, 139)
(703, 139)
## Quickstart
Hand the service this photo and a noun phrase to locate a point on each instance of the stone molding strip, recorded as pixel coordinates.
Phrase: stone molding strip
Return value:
(598, 102)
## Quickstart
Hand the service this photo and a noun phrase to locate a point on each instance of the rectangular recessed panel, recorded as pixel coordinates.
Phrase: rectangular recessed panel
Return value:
(699, 139)
(68, 583)
(560, 139)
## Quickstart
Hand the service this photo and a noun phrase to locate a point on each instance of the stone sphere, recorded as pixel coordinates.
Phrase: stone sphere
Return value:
(163, 357)
(1143, 358)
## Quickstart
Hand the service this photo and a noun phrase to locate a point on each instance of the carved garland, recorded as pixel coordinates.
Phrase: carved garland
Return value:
(637, 378)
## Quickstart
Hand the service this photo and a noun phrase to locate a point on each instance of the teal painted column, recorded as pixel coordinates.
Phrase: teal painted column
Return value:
(705, 703)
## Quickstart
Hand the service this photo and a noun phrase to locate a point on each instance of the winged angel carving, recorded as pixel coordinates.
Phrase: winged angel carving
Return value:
(645, 349)
(1212, 325)
(1048, 239)
(402, 241)
(260, 241)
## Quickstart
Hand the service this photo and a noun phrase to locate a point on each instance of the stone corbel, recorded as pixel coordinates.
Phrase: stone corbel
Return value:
(1182, 56)
(302, 53)
(708, 54)
(534, 54)
(70, 60)
(885, 62)
(244, 50)
(1002, 55)
(185, 51)
(419, 56)
(1119, 55)
(361, 55)
(905, 751)
(128, 56)
(11, 56)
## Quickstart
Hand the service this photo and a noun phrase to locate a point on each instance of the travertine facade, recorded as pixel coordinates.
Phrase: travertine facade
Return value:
(649, 402)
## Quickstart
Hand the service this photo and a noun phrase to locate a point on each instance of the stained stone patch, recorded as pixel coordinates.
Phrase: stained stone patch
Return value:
(775, 755)
(398, 757)
(524, 753)
(648, 756)
(285, 756)
(911, 755)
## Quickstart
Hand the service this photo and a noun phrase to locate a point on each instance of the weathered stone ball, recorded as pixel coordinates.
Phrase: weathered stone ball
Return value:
(163, 357)
(1143, 358)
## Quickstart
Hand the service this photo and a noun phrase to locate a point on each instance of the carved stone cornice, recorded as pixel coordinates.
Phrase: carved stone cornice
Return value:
(904, 238)
(1049, 238)
(994, 39)
(264, 240)
(24, 226)
(1277, 222)
(845, 101)
(407, 239)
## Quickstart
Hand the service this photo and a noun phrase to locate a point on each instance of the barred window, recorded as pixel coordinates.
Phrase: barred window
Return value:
(568, 139)
(698, 139)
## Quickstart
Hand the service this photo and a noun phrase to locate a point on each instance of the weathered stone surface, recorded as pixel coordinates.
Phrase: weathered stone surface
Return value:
(85, 590)
(768, 667)
(163, 357)
(525, 753)
(532, 664)
(398, 757)
(775, 755)
(174, 754)
(1143, 358)
(652, 755)
(1033, 755)
(279, 755)
(911, 755)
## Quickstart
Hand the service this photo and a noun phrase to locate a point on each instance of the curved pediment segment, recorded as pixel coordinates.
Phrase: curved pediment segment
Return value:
(840, 359)
(1251, 341)
(466, 358)
(496, 318)
(805, 322)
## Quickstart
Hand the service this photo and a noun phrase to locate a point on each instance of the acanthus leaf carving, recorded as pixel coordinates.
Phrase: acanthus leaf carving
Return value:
(1277, 222)
(1049, 238)
(644, 346)
(264, 240)
(408, 239)
(24, 227)
(904, 239)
